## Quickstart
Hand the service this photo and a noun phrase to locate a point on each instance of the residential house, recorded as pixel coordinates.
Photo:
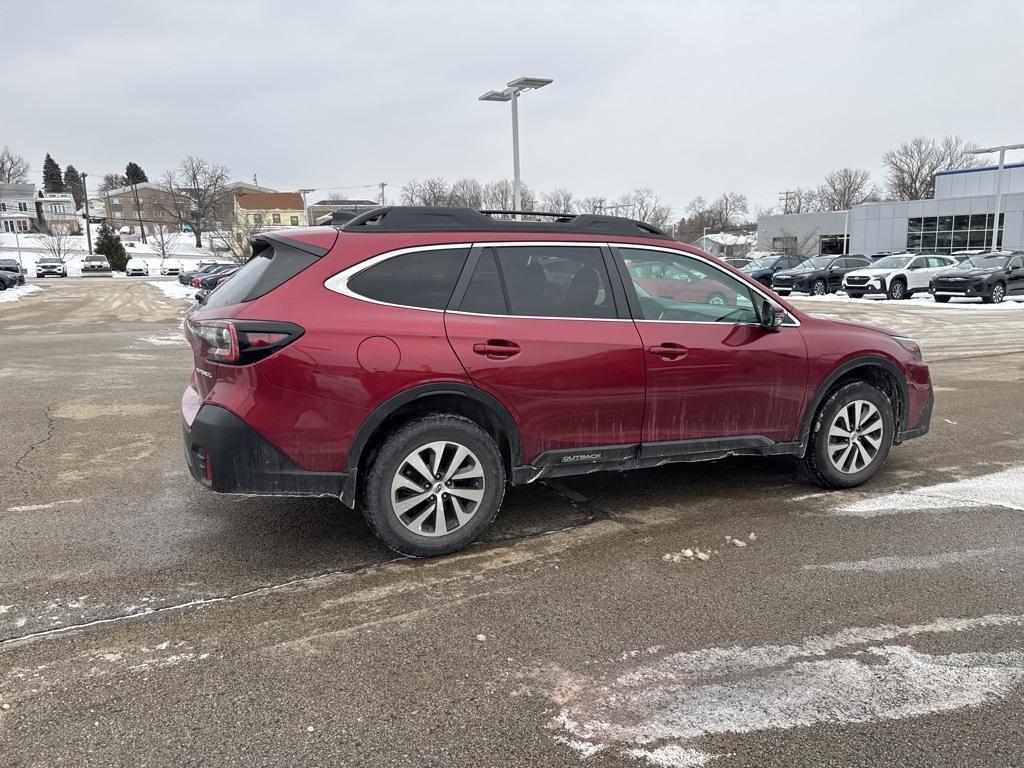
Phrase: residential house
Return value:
(18, 208)
(56, 210)
(321, 211)
(269, 210)
(153, 204)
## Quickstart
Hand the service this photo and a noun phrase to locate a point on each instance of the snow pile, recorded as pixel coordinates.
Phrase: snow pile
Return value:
(999, 489)
(13, 294)
(174, 289)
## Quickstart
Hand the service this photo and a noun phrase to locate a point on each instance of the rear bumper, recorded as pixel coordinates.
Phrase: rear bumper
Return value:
(226, 455)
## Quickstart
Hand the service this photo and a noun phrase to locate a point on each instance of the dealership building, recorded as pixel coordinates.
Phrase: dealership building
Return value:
(960, 217)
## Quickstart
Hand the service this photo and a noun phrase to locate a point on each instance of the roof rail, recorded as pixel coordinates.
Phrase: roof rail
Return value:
(425, 219)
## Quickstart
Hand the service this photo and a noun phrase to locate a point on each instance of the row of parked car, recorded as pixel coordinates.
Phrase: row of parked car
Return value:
(990, 277)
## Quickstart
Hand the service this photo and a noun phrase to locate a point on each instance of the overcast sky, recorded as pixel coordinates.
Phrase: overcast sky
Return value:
(688, 98)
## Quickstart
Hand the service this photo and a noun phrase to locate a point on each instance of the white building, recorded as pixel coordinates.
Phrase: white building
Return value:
(17, 208)
(960, 217)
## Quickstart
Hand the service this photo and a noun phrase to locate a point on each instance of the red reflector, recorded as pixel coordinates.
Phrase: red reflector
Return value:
(209, 466)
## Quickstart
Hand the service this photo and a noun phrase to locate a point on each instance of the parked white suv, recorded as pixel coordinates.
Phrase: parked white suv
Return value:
(170, 266)
(896, 277)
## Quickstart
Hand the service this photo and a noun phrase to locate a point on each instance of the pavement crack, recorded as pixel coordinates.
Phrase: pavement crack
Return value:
(198, 603)
(51, 428)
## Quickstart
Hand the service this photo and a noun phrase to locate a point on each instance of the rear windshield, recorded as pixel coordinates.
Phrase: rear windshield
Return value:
(272, 265)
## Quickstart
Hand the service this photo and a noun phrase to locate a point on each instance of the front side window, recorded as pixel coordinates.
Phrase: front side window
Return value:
(422, 279)
(675, 286)
(1017, 262)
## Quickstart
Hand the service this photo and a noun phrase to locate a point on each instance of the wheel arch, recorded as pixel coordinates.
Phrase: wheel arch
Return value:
(438, 397)
(875, 370)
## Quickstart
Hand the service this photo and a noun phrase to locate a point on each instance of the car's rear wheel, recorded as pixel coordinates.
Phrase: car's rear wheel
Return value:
(716, 298)
(434, 486)
(942, 299)
(820, 288)
(850, 438)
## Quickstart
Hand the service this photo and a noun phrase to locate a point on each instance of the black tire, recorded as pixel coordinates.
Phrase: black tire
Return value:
(897, 290)
(942, 299)
(855, 295)
(3, 285)
(820, 288)
(782, 292)
(816, 466)
(376, 491)
(716, 299)
(997, 295)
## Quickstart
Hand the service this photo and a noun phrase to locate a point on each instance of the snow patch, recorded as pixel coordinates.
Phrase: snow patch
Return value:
(172, 289)
(37, 507)
(822, 679)
(999, 489)
(18, 292)
(165, 339)
(911, 563)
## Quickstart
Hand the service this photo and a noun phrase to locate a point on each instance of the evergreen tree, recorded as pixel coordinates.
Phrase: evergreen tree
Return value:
(108, 244)
(134, 173)
(73, 183)
(53, 181)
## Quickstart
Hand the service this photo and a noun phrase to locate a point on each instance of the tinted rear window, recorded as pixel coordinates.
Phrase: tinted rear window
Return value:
(272, 265)
(423, 279)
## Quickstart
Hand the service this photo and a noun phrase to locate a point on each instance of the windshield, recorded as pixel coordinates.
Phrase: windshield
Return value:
(818, 262)
(892, 262)
(764, 262)
(984, 262)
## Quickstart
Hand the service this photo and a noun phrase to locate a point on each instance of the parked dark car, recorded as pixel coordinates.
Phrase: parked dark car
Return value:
(763, 267)
(990, 278)
(736, 262)
(12, 267)
(185, 277)
(8, 280)
(51, 265)
(210, 281)
(818, 275)
(419, 368)
(95, 264)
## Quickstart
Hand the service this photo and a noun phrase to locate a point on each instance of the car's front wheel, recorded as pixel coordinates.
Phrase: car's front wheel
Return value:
(997, 295)
(434, 486)
(897, 290)
(820, 288)
(850, 438)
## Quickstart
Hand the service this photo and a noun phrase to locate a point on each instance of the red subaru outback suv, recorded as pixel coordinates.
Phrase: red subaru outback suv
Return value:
(414, 361)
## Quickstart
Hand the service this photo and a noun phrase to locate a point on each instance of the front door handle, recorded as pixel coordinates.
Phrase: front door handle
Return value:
(497, 349)
(669, 351)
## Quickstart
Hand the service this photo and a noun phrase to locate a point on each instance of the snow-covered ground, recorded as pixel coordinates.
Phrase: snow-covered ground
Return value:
(1011, 302)
(174, 289)
(13, 294)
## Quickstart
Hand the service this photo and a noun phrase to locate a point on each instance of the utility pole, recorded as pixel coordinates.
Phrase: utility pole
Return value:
(88, 231)
(382, 185)
(997, 242)
(784, 199)
(305, 209)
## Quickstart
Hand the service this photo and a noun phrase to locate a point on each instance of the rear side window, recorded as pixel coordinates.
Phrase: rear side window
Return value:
(271, 265)
(556, 281)
(423, 279)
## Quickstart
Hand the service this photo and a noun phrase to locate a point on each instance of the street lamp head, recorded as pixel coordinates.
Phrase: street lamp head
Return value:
(987, 150)
(496, 96)
(529, 83)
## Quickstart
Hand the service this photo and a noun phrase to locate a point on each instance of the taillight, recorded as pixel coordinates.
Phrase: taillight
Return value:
(195, 282)
(240, 342)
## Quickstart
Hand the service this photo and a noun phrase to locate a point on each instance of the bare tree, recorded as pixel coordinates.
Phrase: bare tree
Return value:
(727, 211)
(467, 193)
(559, 200)
(13, 168)
(431, 192)
(845, 188)
(802, 200)
(160, 236)
(57, 241)
(593, 205)
(910, 167)
(197, 191)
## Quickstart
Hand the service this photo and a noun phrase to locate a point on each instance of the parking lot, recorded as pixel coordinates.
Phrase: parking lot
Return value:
(145, 621)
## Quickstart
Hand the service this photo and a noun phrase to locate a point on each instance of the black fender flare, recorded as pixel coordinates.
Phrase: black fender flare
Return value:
(392, 404)
(869, 361)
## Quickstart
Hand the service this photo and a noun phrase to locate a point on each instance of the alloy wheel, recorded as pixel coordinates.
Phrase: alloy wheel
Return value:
(897, 290)
(716, 299)
(437, 488)
(820, 289)
(855, 436)
(998, 293)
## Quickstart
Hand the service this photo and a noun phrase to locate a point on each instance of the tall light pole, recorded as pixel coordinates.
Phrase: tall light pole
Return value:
(996, 242)
(88, 232)
(305, 209)
(511, 93)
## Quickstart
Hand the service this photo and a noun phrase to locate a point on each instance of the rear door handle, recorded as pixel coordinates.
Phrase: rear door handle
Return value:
(497, 349)
(669, 351)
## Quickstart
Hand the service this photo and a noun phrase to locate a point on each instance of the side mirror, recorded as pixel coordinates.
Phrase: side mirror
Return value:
(772, 316)
(200, 297)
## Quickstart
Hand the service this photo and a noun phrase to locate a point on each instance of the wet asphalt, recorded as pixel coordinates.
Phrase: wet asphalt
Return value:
(145, 621)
